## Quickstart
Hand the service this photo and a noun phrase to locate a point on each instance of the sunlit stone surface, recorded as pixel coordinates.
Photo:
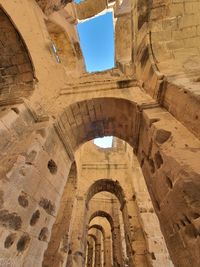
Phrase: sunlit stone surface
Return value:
(64, 201)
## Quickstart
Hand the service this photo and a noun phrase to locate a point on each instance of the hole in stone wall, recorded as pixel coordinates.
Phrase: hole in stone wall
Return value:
(152, 166)
(169, 182)
(104, 142)
(16, 110)
(158, 159)
(43, 236)
(52, 166)
(47, 205)
(10, 220)
(191, 231)
(10, 239)
(162, 136)
(157, 205)
(182, 222)
(153, 256)
(177, 226)
(195, 215)
(187, 220)
(41, 132)
(98, 53)
(35, 217)
(23, 200)
(142, 163)
(23, 242)
(31, 156)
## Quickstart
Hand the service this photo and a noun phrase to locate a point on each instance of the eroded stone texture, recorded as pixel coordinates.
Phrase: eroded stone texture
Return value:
(49, 6)
(16, 70)
(65, 201)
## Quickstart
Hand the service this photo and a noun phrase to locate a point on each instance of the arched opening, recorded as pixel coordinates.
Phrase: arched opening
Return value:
(119, 212)
(99, 246)
(168, 154)
(140, 125)
(99, 117)
(107, 185)
(104, 221)
(107, 252)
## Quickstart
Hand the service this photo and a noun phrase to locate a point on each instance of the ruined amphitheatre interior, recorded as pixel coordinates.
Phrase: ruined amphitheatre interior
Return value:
(65, 201)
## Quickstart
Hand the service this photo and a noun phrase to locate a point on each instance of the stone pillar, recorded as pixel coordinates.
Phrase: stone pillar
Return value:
(98, 250)
(107, 252)
(117, 248)
(116, 237)
(59, 244)
(90, 255)
(136, 244)
(78, 233)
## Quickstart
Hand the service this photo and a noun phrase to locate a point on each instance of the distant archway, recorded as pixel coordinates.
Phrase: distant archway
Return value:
(101, 213)
(106, 185)
(151, 131)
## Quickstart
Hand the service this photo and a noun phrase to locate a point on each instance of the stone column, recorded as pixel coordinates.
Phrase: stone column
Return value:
(98, 250)
(59, 244)
(107, 252)
(117, 248)
(78, 244)
(90, 255)
(136, 244)
(116, 237)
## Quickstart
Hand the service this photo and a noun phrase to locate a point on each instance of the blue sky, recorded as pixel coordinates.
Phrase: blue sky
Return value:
(97, 42)
(104, 142)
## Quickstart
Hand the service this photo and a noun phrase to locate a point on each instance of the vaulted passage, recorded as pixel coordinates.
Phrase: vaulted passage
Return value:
(99, 165)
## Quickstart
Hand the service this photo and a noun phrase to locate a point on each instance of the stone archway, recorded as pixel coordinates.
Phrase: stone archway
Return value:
(113, 187)
(156, 138)
(98, 117)
(115, 236)
(107, 185)
(167, 152)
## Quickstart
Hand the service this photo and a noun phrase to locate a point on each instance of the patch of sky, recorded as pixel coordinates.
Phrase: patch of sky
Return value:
(97, 42)
(104, 142)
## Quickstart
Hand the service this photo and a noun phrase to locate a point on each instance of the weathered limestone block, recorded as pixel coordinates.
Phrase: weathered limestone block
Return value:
(49, 6)
(88, 8)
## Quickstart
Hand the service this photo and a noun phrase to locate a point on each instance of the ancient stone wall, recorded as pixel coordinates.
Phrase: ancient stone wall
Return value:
(16, 69)
(49, 110)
